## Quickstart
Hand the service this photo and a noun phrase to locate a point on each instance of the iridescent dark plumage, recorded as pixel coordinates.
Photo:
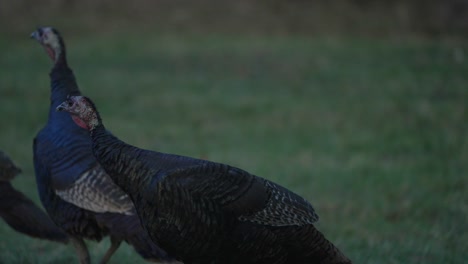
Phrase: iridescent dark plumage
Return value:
(205, 212)
(76, 192)
(19, 212)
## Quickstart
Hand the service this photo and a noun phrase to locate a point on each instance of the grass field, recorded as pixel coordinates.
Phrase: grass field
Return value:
(373, 133)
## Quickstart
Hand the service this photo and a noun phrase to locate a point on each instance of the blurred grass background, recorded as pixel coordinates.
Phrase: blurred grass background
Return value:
(360, 106)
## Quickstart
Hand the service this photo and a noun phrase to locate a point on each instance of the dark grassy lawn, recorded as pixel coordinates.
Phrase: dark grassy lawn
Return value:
(373, 133)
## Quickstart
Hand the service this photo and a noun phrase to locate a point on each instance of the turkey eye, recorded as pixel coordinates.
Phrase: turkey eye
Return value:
(41, 32)
(70, 103)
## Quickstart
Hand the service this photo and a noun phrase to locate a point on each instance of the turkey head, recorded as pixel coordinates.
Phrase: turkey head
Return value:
(52, 42)
(82, 110)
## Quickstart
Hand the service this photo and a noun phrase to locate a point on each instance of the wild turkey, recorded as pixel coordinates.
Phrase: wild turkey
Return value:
(19, 212)
(76, 192)
(205, 212)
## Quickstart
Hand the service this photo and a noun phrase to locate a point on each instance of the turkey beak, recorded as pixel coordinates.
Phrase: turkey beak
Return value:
(61, 107)
(36, 35)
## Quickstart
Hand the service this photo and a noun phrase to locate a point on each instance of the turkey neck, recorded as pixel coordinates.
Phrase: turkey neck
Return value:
(63, 83)
(117, 159)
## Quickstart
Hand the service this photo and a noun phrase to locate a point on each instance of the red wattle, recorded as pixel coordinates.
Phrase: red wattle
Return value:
(50, 52)
(79, 122)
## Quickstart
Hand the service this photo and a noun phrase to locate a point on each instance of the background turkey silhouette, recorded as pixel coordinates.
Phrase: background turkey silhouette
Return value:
(19, 212)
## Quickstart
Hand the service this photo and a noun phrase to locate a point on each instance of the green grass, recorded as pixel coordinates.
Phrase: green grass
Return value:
(373, 133)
